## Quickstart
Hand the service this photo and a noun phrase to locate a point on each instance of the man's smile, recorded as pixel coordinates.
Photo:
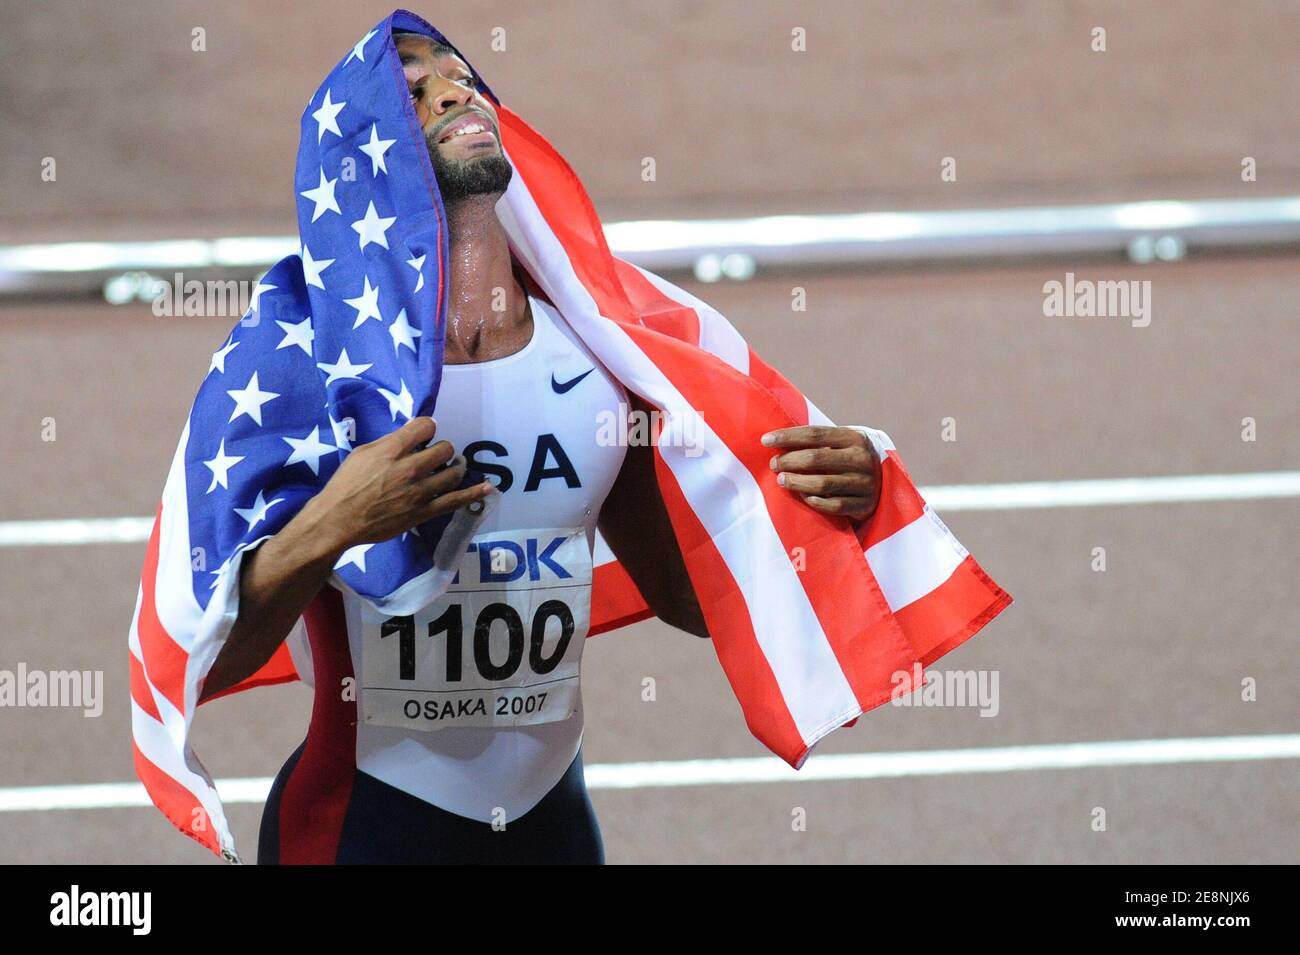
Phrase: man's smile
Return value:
(473, 129)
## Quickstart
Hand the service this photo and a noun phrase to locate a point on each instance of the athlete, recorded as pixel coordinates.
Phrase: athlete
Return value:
(518, 400)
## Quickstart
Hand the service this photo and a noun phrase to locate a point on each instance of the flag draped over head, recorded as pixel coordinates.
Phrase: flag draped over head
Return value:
(813, 618)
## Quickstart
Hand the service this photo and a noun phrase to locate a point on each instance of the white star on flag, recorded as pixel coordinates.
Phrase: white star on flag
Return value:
(225, 565)
(219, 357)
(359, 51)
(366, 304)
(258, 511)
(312, 268)
(323, 196)
(403, 332)
(249, 400)
(375, 149)
(308, 450)
(254, 300)
(401, 403)
(341, 436)
(343, 368)
(417, 263)
(372, 226)
(354, 555)
(327, 117)
(222, 569)
(299, 334)
(220, 467)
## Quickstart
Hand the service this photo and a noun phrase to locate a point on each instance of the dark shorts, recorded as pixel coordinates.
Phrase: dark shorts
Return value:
(376, 823)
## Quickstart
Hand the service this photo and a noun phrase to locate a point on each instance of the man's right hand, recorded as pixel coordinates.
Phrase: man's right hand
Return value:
(391, 485)
(380, 490)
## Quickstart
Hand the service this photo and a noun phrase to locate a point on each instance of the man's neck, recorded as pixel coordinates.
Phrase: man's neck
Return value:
(488, 316)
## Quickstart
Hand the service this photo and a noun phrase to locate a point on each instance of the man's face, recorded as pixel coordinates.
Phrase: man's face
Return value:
(466, 162)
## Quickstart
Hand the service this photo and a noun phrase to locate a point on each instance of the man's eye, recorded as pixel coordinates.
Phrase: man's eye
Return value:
(417, 93)
(467, 80)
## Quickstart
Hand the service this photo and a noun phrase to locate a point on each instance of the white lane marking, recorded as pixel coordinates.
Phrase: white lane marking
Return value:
(767, 769)
(941, 497)
(942, 762)
(94, 530)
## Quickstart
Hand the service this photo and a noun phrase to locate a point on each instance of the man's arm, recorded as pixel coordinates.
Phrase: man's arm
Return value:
(380, 490)
(634, 522)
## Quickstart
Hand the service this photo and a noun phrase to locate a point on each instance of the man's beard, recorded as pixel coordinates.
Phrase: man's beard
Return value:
(461, 178)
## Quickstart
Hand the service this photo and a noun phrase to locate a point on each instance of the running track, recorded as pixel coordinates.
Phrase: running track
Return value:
(1197, 595)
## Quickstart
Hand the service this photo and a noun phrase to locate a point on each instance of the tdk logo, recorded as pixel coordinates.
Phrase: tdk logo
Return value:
(503, 561)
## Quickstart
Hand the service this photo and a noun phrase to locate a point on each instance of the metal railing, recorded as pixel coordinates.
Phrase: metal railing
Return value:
(714, 249)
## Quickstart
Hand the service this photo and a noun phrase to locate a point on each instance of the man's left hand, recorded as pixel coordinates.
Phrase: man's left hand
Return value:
(835, 470)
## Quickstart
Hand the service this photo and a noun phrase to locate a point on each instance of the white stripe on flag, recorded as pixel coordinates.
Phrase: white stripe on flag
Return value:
(177, 608)
(914, 560)
(600, 552)
(158, 747)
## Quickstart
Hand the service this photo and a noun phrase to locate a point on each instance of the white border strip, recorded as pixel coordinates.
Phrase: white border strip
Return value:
(941, 497)
(767, 769)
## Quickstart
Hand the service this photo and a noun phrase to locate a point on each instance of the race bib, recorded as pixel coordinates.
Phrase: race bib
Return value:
(502, 647)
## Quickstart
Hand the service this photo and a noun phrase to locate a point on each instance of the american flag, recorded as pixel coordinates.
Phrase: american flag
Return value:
(343, 343)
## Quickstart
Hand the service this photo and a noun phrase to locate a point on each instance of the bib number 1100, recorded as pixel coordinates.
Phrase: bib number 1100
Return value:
(451, 622)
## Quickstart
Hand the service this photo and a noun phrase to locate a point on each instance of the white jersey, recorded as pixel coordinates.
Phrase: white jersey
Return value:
(474, 705)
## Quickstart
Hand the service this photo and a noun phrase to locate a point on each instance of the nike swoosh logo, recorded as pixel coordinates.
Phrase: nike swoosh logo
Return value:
(561, 387)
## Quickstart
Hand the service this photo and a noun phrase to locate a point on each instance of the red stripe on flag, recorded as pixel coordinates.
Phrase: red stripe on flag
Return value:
(953, 612)
(727, 618)
(615, 599)
(164, 659)
(900, 504)
(279, 669)
(140, 689)
(657, 310)
(175, 802)
(791, 399)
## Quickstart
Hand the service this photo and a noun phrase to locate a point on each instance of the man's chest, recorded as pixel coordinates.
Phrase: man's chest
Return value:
(544, 425)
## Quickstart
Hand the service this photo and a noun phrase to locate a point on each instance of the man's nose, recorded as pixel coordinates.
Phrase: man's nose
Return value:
(448, 95)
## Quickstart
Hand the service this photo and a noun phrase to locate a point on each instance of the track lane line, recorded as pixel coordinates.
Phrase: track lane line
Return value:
(948, 498)
(767, 769)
